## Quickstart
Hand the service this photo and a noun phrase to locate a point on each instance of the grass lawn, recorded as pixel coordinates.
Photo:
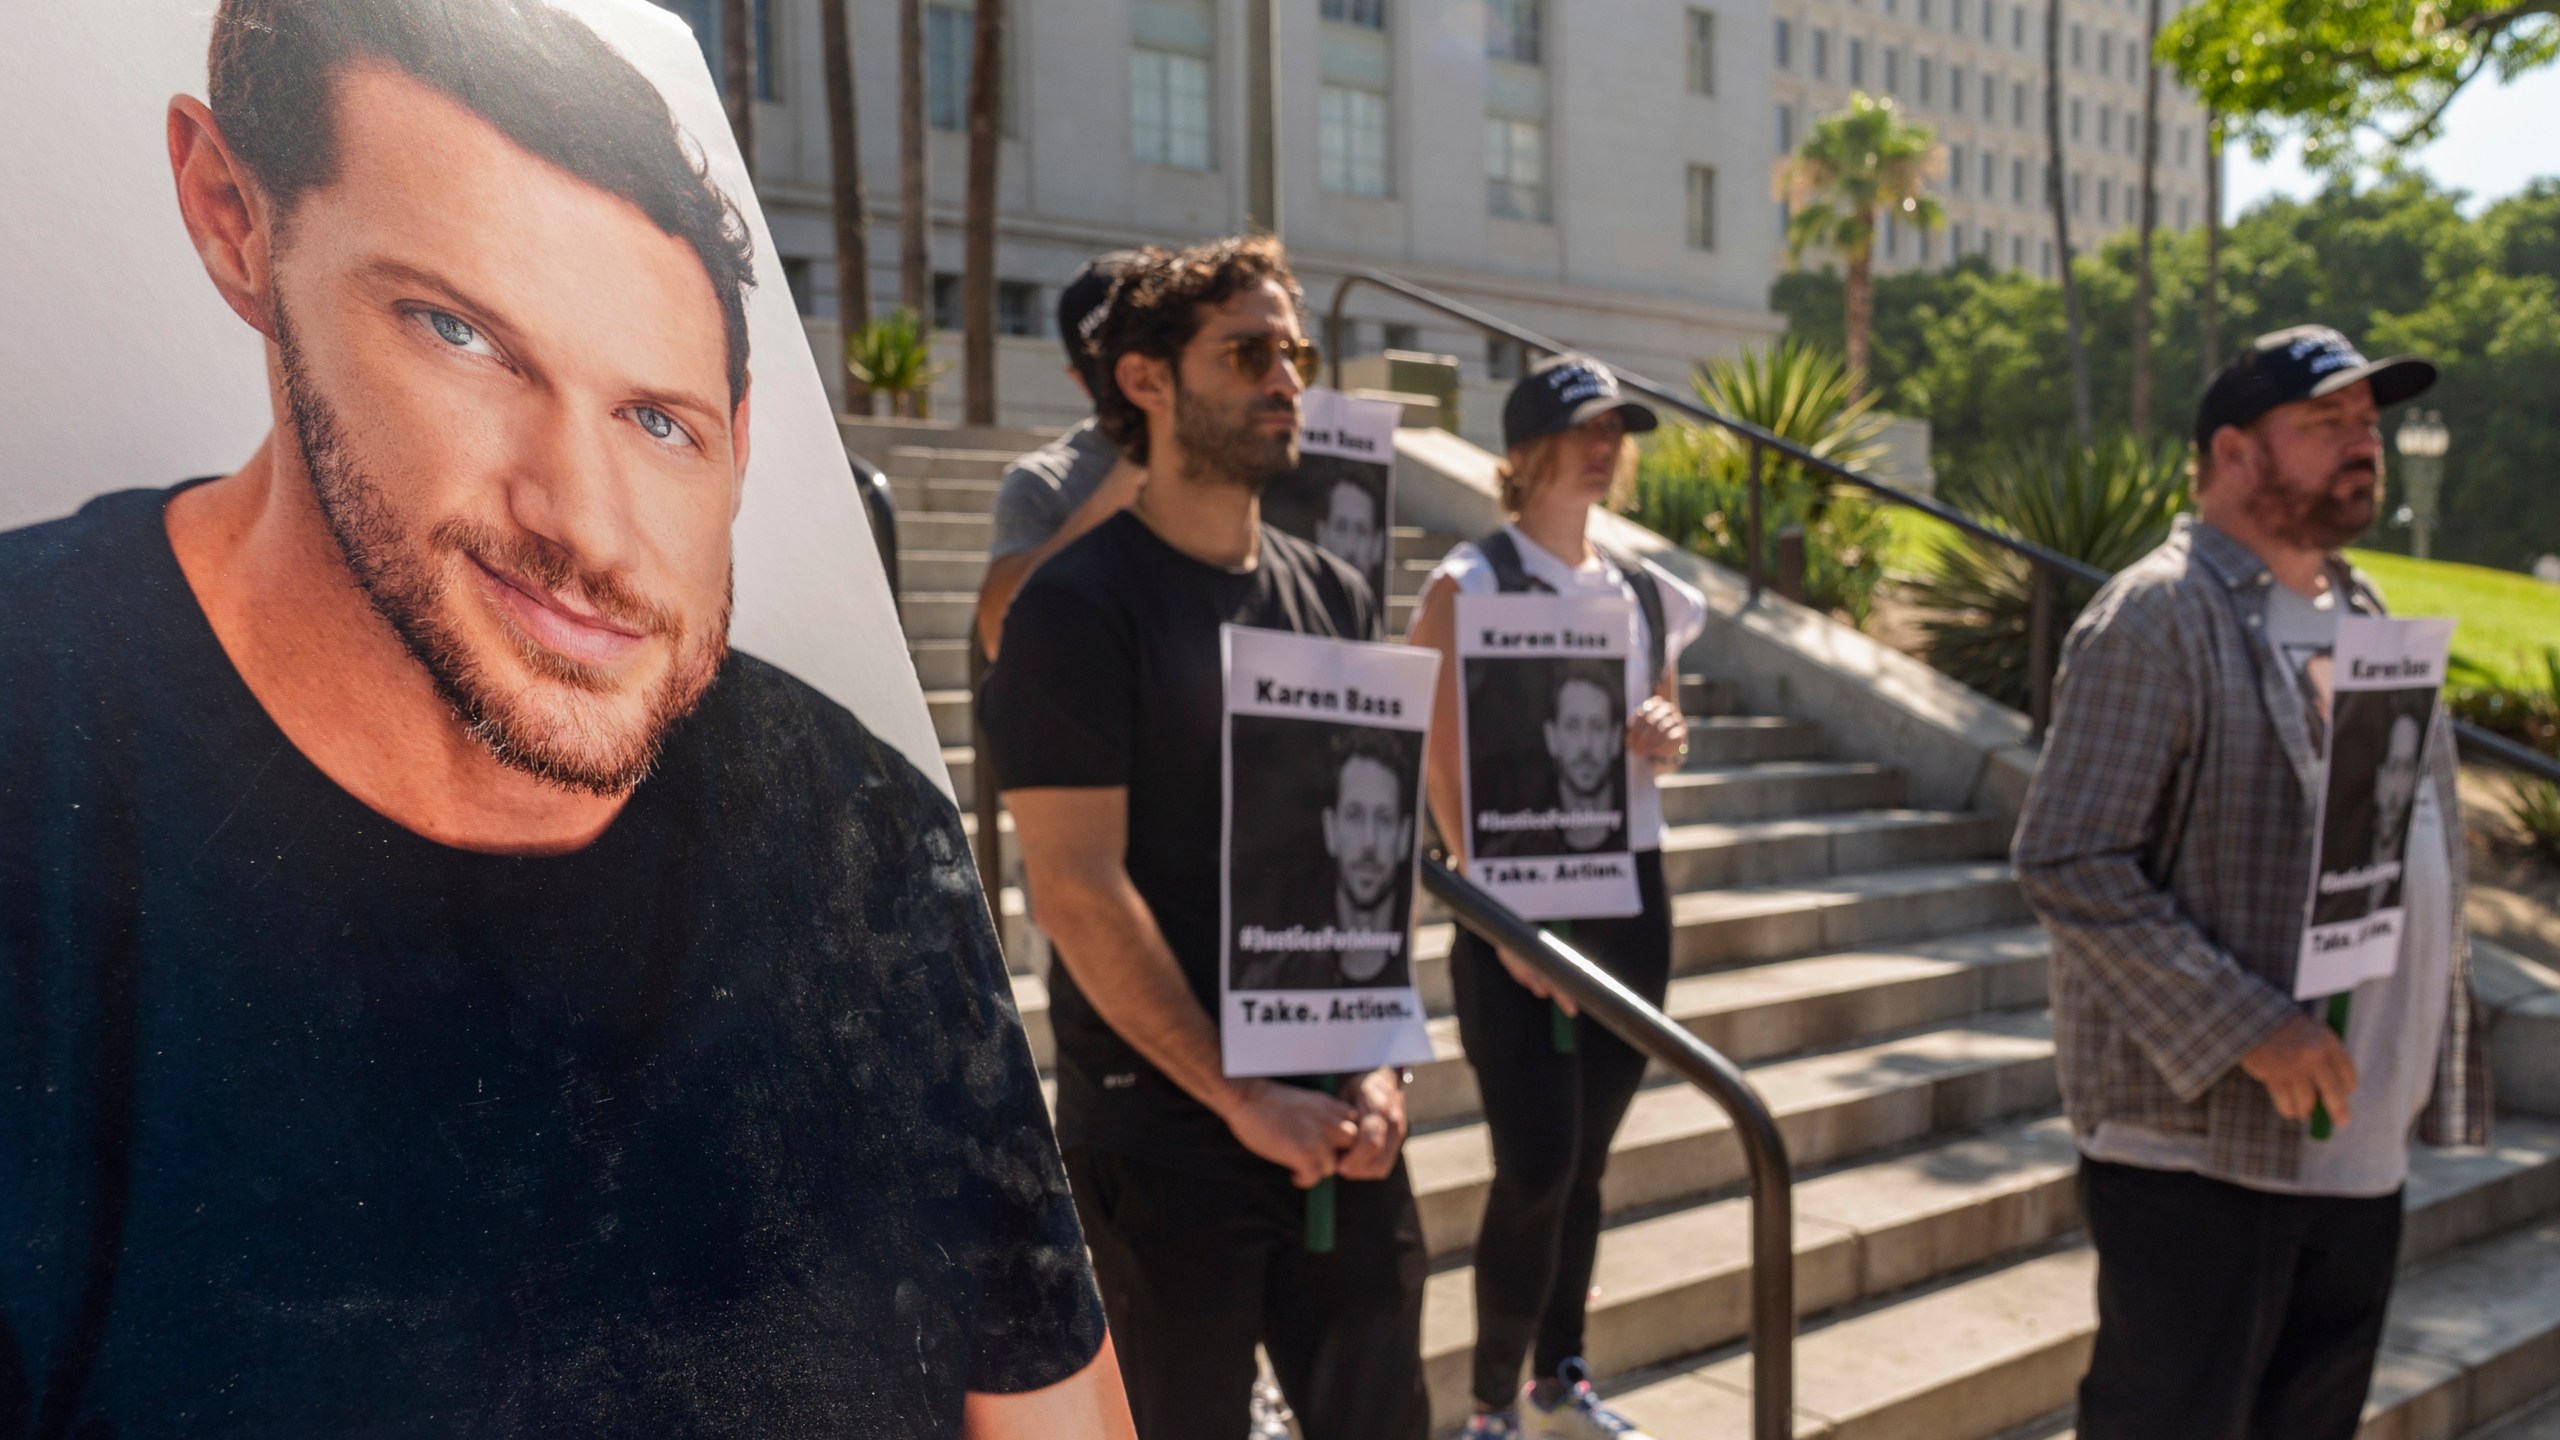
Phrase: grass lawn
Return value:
(2506, 619)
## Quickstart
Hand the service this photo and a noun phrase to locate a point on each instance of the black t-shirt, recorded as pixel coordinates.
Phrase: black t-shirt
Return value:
(1109, 676)
(722, 1125)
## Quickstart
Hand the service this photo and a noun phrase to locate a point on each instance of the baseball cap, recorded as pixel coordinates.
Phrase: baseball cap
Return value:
(1563, 391)
(2303, 363)
(1082, 302)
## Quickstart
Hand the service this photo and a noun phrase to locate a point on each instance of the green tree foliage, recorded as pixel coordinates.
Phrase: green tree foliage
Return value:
(2394, 263)
(1693, 485)
(1855, 166)
(893, 356)
(2333, 68)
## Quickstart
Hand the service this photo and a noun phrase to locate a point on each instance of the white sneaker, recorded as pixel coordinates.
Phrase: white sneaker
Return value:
(1578, 1414)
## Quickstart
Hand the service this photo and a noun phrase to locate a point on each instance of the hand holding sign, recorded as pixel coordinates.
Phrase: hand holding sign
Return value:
(2304, 1066)
(1305, 1132)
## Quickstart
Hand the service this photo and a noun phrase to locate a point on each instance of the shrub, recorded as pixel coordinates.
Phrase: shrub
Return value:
(894, 357)
(2108, 507)
(1693, 485)
(2528, 715)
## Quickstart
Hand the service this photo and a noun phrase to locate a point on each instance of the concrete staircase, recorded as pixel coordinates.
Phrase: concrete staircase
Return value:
(1872, 966)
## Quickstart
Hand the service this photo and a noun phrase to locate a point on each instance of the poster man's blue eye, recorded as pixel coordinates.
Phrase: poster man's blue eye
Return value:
(656, 422)
(452, 329)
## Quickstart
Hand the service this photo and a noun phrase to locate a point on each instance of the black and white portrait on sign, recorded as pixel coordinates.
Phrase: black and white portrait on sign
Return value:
(1341, 496)
(2383, 679)
(1323, 779)
(1329, 834)
(1544, 720)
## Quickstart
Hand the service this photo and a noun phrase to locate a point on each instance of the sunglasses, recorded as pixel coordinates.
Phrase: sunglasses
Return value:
(1251, 356)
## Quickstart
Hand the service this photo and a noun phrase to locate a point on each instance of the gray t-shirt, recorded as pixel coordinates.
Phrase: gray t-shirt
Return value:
(1040, 490)
(2395, 1023)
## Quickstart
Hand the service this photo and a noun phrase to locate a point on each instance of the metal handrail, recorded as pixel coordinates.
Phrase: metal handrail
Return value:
(2476, 744)
(1598, 994)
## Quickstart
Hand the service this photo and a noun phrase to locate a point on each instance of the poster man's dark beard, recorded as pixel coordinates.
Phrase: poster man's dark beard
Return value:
(389, 566)
(1226, 446)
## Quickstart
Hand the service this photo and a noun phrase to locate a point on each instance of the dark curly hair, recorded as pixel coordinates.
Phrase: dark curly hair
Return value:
(1155, 310)
(536, 73)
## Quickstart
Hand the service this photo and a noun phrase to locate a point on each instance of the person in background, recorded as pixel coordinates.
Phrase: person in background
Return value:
(2167, 843)
(1552, 1113)
(1104, 720)
(1075, 482)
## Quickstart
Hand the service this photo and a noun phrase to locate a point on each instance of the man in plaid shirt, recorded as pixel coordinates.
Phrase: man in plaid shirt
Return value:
(2167, 845)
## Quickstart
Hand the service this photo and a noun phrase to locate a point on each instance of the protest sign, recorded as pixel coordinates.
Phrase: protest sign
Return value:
(1543, 727)
(2381, 686)
(1341, 497)
(1323, 776)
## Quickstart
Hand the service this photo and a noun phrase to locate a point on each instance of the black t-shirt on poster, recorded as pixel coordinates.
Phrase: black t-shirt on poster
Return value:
(1110, 676)
(722, 1125)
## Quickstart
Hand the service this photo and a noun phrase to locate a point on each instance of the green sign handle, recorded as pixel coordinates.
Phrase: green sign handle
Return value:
(1320, 1200)
(2337, 1017)
(1560, 1031)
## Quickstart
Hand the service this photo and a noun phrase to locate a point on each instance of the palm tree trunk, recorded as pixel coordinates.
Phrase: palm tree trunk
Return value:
(978, 251)
(2074, 335)
(738, 75)
(2210, 300)
(915, 228)
(2141, 397)
(1858, 312)
(844, 154)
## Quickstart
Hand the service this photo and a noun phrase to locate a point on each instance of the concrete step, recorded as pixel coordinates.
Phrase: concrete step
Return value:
(944, 462)
(1680, 1283)
(875, 438)
(951, 710)
(940, 664)
(2475, 1328)
(1766, 789)
(944, 530)
(2538, 1421)
(1412, 542)
(1676, 1146)
(1789, 1007)
(1718, 856)
(1753, 923)
(942, 496)
(937, 614)
(1702, 696)
(1751, 739)
(920, 569)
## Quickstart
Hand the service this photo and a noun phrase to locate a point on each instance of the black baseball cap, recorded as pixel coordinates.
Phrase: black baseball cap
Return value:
(1563, 391)
(1083, 301)
(2303, 363)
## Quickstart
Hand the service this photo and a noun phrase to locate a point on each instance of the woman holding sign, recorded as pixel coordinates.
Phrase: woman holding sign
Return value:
(1600, 726)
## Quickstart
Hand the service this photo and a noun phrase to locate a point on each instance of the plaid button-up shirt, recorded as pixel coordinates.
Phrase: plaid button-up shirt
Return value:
(2167, 845)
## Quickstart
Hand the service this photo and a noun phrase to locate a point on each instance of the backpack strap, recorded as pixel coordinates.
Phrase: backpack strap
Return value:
(1649, 600)
(1510, 576)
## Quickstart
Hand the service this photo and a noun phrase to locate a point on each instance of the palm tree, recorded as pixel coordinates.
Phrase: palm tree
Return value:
(915, 229)
(978, 227)
(2073, 333)
(844, 153)
(2150, 216)
(738, 75)
(1854, 164)
(2209, 317)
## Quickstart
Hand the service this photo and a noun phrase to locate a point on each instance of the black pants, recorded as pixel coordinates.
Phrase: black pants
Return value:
(1552, 1116)
(2226, 1313)
(1195, 1271)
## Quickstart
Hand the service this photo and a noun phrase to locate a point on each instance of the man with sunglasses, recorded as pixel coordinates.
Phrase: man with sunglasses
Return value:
(1103, 716)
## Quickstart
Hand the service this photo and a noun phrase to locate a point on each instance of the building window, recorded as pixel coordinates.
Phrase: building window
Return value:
(2106, 127)
(950, 39)
(1955, 169)
(1990, 98)
(2075, 46)
(1503, 359)
(2075, 193)
(1702, 52)
(2182, 212)
(1702, 207)
(2044, 259)
(1512, 31)
(1821, 54)
(1892, 236)
(1515, 168)
(2075, 118)
(2017, 27)
(1989, 165)
(1923, 237)
(2106, 198)
(2017, 182)
(2184, 135)
(1923, 66)
(1782, 48)
(1172, 41)
(1786, 129)
(1857, 61)
(1367, 14)
(2018, 104)
(1924, 12)
(1955, 16)
(1893, 70)
(704, 16)
(2106, 54)
(799, 274)
(1955, 88)
(1351, 140)
(1399, 335)
(1017, 307)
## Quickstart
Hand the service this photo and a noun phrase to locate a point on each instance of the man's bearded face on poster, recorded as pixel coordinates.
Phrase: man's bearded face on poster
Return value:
(1348, 529)
(528, 451)
(2395, 783)
(1366, 830)
(1583, 739)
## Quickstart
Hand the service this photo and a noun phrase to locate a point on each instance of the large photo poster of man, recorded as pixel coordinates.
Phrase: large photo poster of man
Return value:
(1543, 725)
(1323, 783)
(2383, 680)
(1342, 495)
(469, 834)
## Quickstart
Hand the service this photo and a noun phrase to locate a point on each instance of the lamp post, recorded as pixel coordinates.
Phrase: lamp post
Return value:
(2422, 441)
